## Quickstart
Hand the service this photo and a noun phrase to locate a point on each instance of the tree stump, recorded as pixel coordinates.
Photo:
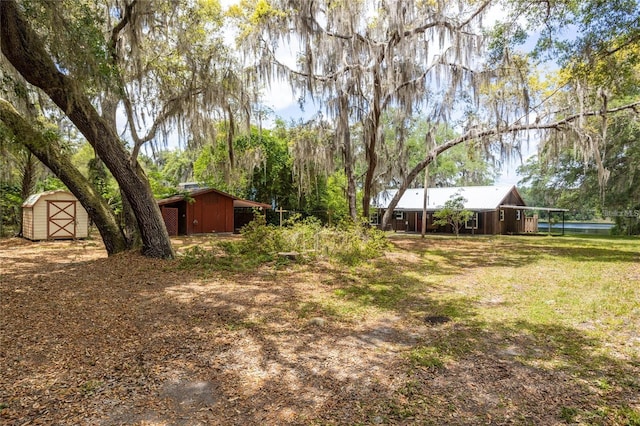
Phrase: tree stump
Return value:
(290, 255)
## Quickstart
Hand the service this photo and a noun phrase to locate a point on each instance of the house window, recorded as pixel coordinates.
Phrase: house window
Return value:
(399, 215)
(472, 223)
(501, 215)
(373, 219)
(517, 214)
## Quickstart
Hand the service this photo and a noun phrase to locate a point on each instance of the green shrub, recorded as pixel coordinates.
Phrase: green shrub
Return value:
(346, 243)
(195, 256)
(260, 240)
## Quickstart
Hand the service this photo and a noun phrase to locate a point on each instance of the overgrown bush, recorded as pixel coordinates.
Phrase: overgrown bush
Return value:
(352, 243)
(346, 243)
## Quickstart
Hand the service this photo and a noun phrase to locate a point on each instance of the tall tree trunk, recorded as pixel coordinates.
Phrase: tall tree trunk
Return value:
(129, 227)
(22, 47)
(425, 202)
(51, 156)
(371, 136)
(109, 108)
(345, 134)
(27, 183)
(429, 142)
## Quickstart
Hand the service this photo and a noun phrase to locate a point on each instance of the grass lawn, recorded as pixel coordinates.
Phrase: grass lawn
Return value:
(441, 330)
(555, 305)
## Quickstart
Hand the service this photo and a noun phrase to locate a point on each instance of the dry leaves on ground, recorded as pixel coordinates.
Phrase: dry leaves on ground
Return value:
(91, 340)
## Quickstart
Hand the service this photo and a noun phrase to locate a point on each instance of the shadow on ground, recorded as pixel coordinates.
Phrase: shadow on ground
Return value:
(129, 340)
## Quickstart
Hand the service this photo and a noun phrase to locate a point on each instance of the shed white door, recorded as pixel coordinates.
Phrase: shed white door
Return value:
(61, 219)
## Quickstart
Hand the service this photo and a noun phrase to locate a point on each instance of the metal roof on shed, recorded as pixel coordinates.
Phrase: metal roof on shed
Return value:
(33, 198)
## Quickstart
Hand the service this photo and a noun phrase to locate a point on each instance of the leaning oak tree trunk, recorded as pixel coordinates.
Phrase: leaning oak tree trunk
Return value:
(51, 156)
(28, 172)
(129, 224)
(109, 108)
(22, 47)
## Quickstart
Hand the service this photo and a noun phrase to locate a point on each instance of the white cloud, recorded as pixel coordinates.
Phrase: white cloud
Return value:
(279, 96)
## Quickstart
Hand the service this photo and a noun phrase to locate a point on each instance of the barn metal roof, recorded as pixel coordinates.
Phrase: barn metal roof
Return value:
(250, 204)
(477, 197)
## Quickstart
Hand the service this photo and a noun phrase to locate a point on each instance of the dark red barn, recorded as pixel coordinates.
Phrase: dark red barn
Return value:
(207, 210)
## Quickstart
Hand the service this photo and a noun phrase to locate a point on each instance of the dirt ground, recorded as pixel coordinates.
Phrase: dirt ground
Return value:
(91, 340)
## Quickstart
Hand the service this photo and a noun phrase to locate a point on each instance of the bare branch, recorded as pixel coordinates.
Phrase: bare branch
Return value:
(475, 14)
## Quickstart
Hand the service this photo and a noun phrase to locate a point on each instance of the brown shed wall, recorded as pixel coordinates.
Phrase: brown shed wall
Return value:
(210, 212)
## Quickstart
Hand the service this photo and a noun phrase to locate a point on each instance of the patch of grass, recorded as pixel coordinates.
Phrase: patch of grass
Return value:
(396, 410)
(380, 294)
(569, 304)
(561, 281)
(327, 305)
(603, 384)
(241, 325)
(629, 416)
(90, 387)
(448, 346)
(427, 356)
(309, 309)
(568, 414)
(597, 416)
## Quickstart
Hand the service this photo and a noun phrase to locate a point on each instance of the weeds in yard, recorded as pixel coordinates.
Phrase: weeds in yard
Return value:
(630, 416)
(427, 356)
(347, 244)
(90, 387)
(568, 414)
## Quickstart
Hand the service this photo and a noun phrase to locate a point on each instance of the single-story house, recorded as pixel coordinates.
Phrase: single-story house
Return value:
(54, 215)
(206, 210)
(497, 209)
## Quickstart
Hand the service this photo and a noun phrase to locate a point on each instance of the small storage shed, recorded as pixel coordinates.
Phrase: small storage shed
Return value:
(206, 210)
(54, 215)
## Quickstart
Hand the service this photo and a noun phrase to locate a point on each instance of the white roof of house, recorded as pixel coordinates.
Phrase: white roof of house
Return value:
(477, 197)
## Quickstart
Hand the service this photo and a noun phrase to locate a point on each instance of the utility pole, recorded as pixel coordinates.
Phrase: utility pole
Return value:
(429, 143)
(425, 203)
